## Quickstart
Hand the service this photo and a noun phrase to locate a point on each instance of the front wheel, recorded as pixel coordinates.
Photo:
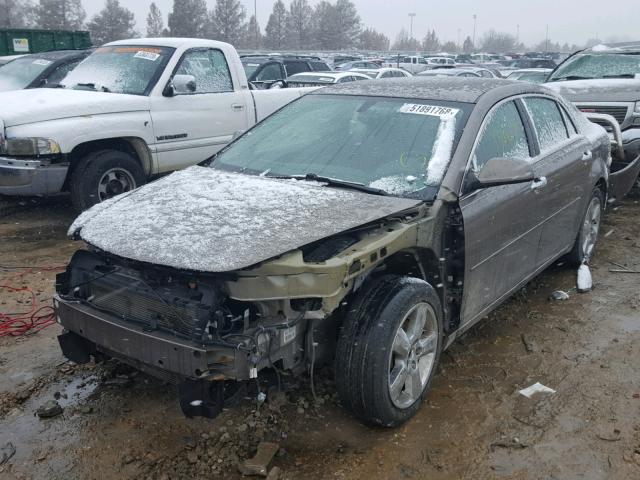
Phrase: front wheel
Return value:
(587, 239)
(103, 175)
(389, 349)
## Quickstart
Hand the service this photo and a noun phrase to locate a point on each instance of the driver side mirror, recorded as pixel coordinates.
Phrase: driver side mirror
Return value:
(502, 171)
(180, 85)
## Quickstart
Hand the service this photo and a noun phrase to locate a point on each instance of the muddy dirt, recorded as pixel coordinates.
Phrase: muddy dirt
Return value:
(117, 424)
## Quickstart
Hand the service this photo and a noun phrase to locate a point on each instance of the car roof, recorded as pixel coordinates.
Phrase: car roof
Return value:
(169, 42)
(377, 70)
(448, 71)
(455, 89)
(626, 47)
(60, 54)
(331, 74)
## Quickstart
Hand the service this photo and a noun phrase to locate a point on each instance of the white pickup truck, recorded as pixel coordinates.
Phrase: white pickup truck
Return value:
(132, 110)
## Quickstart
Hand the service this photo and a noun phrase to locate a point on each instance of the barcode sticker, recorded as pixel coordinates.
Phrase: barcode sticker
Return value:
(147, 55)
(431, 110)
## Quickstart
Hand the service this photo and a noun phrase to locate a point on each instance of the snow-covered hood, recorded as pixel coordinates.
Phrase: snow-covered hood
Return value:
(212, 221)
(599, 90)
(20, 107)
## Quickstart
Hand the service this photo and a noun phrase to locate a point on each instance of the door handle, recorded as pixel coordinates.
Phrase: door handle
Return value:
(539, 183)
(586, 156)
(237, 107)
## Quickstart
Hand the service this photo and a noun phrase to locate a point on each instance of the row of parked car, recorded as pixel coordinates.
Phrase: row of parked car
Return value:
(365, 225)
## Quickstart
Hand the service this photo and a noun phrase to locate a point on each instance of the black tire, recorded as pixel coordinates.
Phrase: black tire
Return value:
(577, 256)
(363, 353)
(88, 177)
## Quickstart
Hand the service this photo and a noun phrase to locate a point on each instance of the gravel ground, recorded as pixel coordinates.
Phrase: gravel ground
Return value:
(118, 424)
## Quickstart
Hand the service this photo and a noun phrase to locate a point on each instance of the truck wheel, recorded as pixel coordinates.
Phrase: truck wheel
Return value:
(587, 238)
(388, 350)
(102, 175)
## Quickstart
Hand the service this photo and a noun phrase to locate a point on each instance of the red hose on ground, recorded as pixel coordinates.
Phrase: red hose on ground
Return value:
(37, 318)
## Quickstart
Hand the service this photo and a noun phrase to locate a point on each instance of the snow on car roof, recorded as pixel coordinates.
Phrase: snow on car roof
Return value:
(456, 89)
(169, 42)
(335, 75)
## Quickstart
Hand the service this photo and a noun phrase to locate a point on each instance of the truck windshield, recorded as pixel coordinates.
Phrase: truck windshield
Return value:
(120, 69)
(19, 73)
(598, 65)
(402, 147)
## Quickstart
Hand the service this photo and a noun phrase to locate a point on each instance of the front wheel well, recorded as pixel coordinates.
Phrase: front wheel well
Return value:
(136, 147)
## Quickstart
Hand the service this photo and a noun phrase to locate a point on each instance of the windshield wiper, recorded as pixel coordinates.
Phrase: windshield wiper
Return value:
(332, 182)
(93, 87)
(571, 77)
(620, 75)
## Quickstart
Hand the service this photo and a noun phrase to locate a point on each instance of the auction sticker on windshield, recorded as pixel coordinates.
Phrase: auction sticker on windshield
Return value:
(431, 110)
(147, 55)
(42, 62)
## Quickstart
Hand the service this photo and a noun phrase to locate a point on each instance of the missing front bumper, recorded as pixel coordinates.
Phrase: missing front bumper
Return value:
(156, 353)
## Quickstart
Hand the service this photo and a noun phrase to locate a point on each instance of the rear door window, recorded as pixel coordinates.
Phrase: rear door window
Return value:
(271, 72)
(502, 136)
(296, 67)
(547, 121)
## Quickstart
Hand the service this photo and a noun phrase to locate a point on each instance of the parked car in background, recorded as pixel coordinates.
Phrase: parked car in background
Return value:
(449, 72)
(384, 72)
(535, 75)
(483, 71)
(131, 110)
(40, 69)
(413, 64)
(523, 63)
(357, 64)
(605, 79)
(441, 62)
(365, 226)
(266, 71)
(7, 59)
(320, 79)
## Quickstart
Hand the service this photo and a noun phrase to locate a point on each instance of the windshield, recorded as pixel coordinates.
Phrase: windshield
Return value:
(591, 65)
(120, 69)
(402, 147)
(19, 73)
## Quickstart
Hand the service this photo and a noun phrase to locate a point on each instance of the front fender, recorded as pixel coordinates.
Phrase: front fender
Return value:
(71, 132)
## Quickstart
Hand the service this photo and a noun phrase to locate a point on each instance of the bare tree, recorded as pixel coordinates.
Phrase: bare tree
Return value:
(189, 18)
(113, 22)
(405, 44)
(371, 39)
(155, 22)
(276, 31)
(300, 24)
(498, 42)
(227, 21)
(16, 13)
(431, 43)
(60, 14)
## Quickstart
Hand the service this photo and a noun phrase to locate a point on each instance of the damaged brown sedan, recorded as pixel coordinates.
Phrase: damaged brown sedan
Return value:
(364, 225)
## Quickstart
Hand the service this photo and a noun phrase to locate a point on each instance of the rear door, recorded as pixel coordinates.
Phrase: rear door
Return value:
(191, 126)
(502, 224)
(563, 163)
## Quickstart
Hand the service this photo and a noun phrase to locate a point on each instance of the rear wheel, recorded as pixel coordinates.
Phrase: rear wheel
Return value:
(587, 239)
(102, 175)
(389, 349)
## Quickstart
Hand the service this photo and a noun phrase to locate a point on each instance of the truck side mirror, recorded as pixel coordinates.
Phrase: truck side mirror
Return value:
(184, 84)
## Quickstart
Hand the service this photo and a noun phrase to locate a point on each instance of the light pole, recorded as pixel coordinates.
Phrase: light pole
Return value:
(475, 22)
(546, 41)
(255, 17)
(411, 16)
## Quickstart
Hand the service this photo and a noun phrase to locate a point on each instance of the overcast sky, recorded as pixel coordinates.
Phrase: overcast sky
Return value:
(572, 21)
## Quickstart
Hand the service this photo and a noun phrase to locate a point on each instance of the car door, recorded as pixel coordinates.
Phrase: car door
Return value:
(190, 126)
(501, 224)
(563, 163)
